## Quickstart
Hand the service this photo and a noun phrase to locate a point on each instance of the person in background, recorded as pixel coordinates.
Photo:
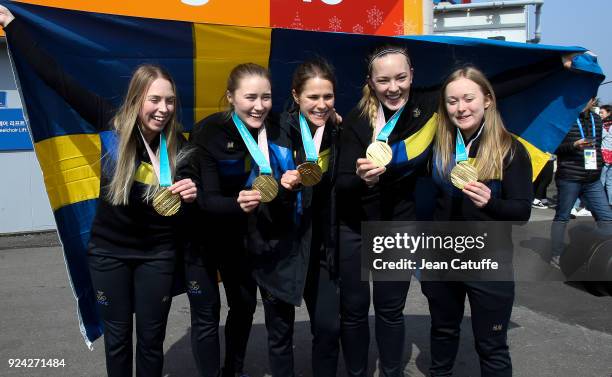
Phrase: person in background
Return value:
(605, 112)
(579, 163)
(540, 185)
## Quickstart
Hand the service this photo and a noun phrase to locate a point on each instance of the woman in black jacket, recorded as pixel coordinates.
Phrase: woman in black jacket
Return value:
(134, 239)
(293, 242)
(471, 135)
(400, 119)
(235, 152)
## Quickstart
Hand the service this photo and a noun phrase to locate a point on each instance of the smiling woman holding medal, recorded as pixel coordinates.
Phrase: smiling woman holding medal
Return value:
(293, 248)
(384, 148)
(234, 156)
(134, 241)
(483, 173)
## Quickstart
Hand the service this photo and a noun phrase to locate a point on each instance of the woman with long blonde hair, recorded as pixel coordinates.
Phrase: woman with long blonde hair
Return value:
(471, 135)
(134, 240)
(495, 142)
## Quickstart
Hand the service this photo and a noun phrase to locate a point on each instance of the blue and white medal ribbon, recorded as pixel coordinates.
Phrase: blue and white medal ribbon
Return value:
(463, 172)
(165, 202)
(310, 172)
(265, 182)
(379, 152)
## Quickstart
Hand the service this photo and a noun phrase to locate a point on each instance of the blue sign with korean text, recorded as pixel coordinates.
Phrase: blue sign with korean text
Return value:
(2, 99)
(14, 133)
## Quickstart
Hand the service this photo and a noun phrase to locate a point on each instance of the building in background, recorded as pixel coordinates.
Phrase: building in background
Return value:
(24, 206)
(514, 21)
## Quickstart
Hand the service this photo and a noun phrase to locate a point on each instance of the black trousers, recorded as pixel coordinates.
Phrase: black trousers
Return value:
(540, 185)
(204, 299)
(491, 306)
(125, 287)
(322, 301)
(389, 299)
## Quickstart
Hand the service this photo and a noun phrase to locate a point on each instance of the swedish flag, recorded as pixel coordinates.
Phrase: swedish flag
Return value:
(101, 51)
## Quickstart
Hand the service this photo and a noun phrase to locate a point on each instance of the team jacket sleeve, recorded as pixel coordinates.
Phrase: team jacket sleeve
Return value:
(517, 190)
(212, 199)
(350, 150)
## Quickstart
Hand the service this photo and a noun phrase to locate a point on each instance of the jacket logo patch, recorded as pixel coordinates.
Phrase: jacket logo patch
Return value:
(193, 288)
(230, 146)
(101, 298)
(416, 112)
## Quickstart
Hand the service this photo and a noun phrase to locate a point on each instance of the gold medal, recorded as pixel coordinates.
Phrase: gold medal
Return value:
(267, 187)
(379, 153)
(166, 203)
(462, 174)
(310, 173)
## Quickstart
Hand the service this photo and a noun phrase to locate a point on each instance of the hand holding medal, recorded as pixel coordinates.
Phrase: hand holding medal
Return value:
(369, 171)
(291, 179)
(249, 200)
(478, 192)
(186, 189)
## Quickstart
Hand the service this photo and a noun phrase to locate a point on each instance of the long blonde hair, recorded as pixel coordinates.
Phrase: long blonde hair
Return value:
(126, 123)
(495, 140)
(368, 104)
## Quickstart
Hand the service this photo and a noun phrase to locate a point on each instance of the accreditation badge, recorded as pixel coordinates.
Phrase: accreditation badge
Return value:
(267, 187)
(590, 159)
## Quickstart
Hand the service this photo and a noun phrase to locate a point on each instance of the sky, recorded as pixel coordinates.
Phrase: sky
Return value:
(585, 23)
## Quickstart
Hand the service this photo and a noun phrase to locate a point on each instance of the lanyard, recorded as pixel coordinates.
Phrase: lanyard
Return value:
(161, 167)
(580, 126)
(311, 147)
(461, 152)
(260, 158)
(384, 133)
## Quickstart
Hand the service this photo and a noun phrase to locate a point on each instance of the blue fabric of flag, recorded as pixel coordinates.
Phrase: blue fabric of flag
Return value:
(101, 52)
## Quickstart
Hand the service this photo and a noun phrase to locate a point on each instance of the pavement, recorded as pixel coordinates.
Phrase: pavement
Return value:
(557, 330)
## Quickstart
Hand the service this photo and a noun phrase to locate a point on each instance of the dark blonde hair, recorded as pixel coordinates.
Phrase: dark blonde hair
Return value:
(369, 102)
(238, 73)
(495, 140)
(126, 123)
(311, 69)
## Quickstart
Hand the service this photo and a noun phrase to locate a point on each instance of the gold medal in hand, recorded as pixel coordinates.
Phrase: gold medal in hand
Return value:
(310, 173)
(462, 174)
(379, 153)
(267, 187)
(166, 203)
